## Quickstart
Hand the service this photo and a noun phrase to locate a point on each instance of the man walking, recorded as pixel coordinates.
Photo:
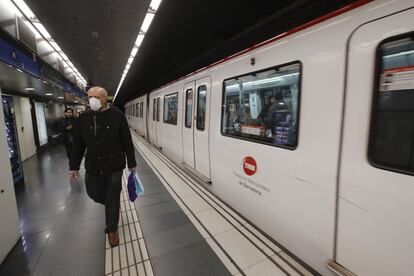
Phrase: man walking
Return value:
(66, 125)
(104, 134)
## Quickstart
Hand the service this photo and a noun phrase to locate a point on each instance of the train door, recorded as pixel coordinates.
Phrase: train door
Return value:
(376, 183)
(196, 129)
(155, 118)
(188, 130)
(148, 117)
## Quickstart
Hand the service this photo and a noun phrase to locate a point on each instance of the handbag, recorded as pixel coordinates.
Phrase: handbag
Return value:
(134, 186)
(131, 188)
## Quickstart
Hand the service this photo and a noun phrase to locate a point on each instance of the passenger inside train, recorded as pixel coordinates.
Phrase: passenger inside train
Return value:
(263, 106)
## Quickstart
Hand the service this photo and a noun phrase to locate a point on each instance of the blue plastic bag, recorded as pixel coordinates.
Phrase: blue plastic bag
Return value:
(132, 188)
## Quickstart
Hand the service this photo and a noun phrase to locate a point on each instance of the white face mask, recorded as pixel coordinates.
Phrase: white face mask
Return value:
(95, 104)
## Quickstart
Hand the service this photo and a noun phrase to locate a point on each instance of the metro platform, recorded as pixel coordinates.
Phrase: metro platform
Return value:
(176, 228)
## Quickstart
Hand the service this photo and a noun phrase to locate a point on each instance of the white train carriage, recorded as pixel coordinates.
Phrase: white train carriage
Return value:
(136, 114)
(310, 136)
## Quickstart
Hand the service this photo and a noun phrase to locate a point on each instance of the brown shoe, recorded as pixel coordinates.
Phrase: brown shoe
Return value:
(113, 238)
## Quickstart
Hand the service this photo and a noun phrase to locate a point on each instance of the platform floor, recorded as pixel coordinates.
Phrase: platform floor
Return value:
(176, 228)
(62, 228)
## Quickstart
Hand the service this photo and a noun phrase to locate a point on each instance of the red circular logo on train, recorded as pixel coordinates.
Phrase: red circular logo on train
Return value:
(249, 165)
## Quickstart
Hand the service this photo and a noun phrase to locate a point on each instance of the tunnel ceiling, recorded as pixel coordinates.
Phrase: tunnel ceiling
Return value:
(184, 36)
(97, 35)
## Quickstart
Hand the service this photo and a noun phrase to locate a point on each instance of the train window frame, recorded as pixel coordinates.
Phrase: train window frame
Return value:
(158, 109)
(154, 106)
(136, 109)
(186, 106)
(247, 139)
(167, 110)
(142, 109)
(198, 106)
(375, 98)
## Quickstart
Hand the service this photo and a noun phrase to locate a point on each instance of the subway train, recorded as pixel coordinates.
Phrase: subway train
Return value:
(308, 135)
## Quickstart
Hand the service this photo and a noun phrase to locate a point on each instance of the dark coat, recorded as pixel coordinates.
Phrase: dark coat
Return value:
(107, 140)
(67, 133)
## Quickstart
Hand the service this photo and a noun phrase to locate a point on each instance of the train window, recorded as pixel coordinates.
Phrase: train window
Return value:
(142, 109)
(158, 109)
(136, 110)
(154, 109)
(391, 144)
(201, 107)
(170, 108)
(264, 106)
(188, 107)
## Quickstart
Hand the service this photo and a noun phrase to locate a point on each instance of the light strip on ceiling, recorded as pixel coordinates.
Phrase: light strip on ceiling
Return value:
(152, 10)
(37, 27)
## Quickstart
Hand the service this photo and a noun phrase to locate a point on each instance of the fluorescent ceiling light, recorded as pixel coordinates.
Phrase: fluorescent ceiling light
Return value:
(42, 30)
(49, 94)
(270, 80)
(147, 22)
(65, 57)
(153, 7)
(55, 46)
(61, 97)
(155, 4)
(406, 53)
(139, 40)
(134, 51)
(29, 88)
(19, 70)
(130, 60)
(23, 10)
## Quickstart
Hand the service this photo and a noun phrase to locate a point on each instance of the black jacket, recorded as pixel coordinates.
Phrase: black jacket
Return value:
(107, 139)
(67, 133)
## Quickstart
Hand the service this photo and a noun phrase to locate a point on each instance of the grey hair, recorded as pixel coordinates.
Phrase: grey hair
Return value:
(100, 90)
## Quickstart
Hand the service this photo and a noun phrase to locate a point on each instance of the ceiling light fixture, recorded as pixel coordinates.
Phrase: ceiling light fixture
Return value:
(49, 94)
(40, 30)
(152, 10)
(61, 97)
(29, 88)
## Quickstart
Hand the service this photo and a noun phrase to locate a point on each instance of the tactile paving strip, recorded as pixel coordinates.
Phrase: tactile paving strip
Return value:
(130, 258)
